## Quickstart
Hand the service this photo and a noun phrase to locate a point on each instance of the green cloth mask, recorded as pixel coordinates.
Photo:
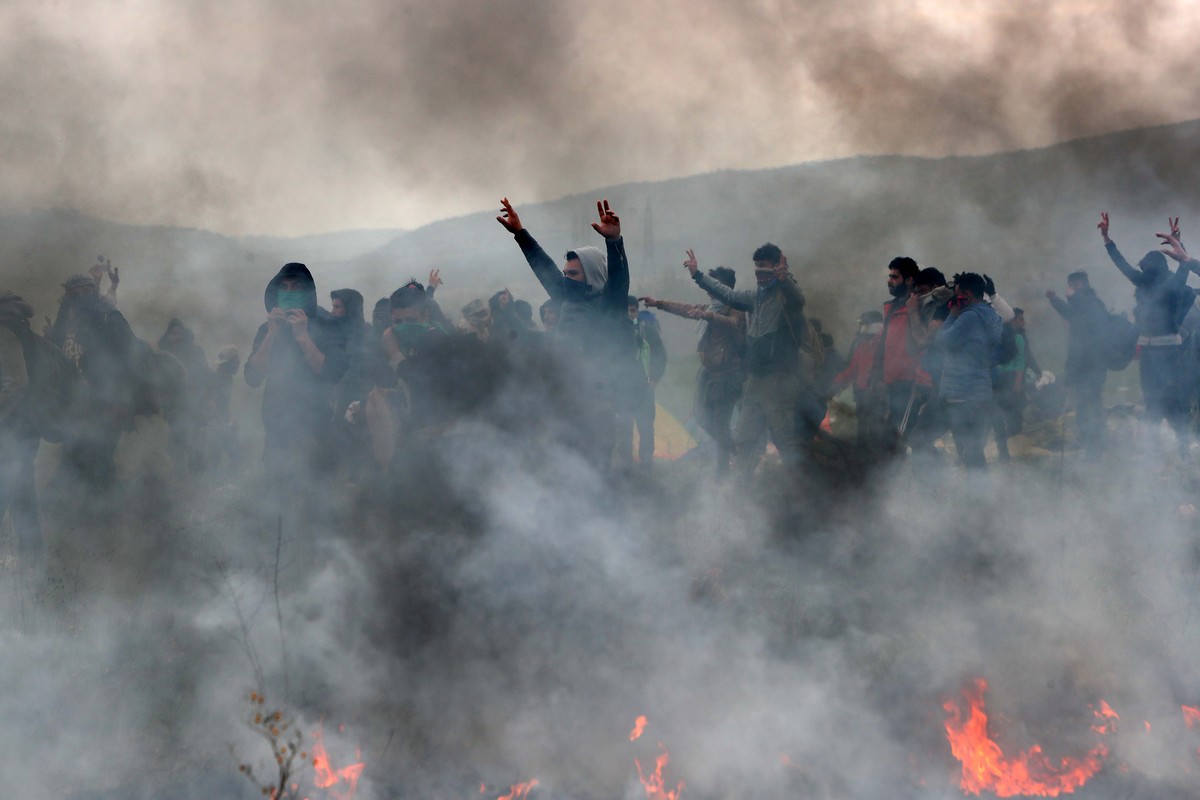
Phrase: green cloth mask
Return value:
(296, 298)
(410, 335)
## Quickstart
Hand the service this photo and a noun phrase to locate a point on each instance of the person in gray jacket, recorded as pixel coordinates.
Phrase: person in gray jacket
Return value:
(777, 368)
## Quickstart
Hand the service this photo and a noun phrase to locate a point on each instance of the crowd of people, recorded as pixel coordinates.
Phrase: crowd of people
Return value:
(347, 396)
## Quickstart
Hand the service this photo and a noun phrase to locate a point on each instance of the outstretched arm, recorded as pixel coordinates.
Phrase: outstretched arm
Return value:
(544, 268)
(1061, 306)
(742, 300)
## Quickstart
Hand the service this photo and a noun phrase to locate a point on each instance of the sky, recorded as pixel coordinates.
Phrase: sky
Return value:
(291, 117)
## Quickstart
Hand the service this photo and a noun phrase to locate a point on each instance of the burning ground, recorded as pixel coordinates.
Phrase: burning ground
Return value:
(510, 615)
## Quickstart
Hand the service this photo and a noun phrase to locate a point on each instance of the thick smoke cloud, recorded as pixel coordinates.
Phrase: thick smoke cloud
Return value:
(290, 118)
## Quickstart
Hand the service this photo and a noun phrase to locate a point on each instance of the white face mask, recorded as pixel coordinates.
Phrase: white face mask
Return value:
(873, 328)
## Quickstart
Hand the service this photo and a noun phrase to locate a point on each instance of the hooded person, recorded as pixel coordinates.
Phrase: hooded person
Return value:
(299, 358)
(1162, 300)
(179, 341)
(19, 435)
(94, 334)
(593, 324)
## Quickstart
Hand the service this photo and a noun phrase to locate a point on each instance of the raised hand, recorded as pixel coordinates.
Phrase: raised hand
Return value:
(609, 225)
(649, 302)
(509, 219)
(1103, 226)
(435, 279)
(690, 262)
(1051, 294)
(1173, 247)
(1174, 225)
(781, 269)
(276, 319)
(299, 322)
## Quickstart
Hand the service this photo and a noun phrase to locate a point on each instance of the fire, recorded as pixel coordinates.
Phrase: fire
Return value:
(985, 767)
(654, 784)
(341, 783)
(519, 791)
(1191, 716)
(639, 725)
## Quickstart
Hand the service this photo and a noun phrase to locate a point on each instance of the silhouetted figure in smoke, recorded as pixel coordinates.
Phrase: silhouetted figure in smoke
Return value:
(363, 358)
(857, 374)
(722, 350)
(102, 268)
(300, 357)
(1162, 300)
(221, 427)
(832, 363)
(20, 433)
(1008, 384)
(593, 326)
(94, 334)
(652, 355)
(507, 325)
(1086, 368)
(476, 321)
(548, 312)
(778, 365)
(929, 308)
(179, 341)
(970, 339)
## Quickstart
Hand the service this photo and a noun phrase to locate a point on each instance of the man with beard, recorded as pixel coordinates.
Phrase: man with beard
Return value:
(897, 378)
(593, 325)
(722, 348)
(778, 362)
(94, 334)
(1162, 300)
(300, 357)
(1086, 369)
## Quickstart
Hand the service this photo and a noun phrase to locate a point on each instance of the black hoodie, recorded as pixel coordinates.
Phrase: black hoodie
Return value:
(296, 401)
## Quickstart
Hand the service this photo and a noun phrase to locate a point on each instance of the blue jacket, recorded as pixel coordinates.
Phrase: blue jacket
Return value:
(970, 342)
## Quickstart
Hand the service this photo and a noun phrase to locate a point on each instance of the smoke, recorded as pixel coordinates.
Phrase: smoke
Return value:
(285, 118)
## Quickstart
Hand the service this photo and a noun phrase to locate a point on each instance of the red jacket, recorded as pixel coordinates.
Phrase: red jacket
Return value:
(858, 372)
(901, 358)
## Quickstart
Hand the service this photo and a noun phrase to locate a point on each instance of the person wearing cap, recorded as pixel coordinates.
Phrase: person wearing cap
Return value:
(1162, 300)
(95, 335)
(298, 357)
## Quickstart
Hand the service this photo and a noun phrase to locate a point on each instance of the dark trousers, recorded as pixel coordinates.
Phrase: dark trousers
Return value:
(1163, 389)
(1087, 393)
(717, 394)
(969, 422)
(18, 490)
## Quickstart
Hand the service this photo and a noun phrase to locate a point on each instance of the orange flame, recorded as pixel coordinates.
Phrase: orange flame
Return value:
(654, 784)
(639, 725)
(519, 791)
(1191, 716)
(341, 783)
(984, 765)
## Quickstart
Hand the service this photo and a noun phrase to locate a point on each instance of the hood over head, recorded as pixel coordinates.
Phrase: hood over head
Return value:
(293, 270)
(12, 305)
(595, 267)
(353, 301)
(1154, 265)
(189, 338)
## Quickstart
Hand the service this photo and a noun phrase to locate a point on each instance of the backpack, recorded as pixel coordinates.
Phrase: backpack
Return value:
(54, 382)
(1118, 341)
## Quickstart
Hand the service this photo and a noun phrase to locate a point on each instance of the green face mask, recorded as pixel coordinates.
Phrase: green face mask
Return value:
(410, 335)
(296, 298)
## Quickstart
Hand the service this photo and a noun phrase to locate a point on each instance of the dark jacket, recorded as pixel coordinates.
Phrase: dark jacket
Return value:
(1086, 317)
(594, 324)
(295, 399)
(653, 352)
(93, 333)
(1161, 296)
(776, 332)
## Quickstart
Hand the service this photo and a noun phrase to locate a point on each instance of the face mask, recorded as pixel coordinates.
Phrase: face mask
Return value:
(574, 290)
(296, 298)
(410, 335)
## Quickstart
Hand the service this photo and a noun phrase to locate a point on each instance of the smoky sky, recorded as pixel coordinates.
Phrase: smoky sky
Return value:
(300, 117)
